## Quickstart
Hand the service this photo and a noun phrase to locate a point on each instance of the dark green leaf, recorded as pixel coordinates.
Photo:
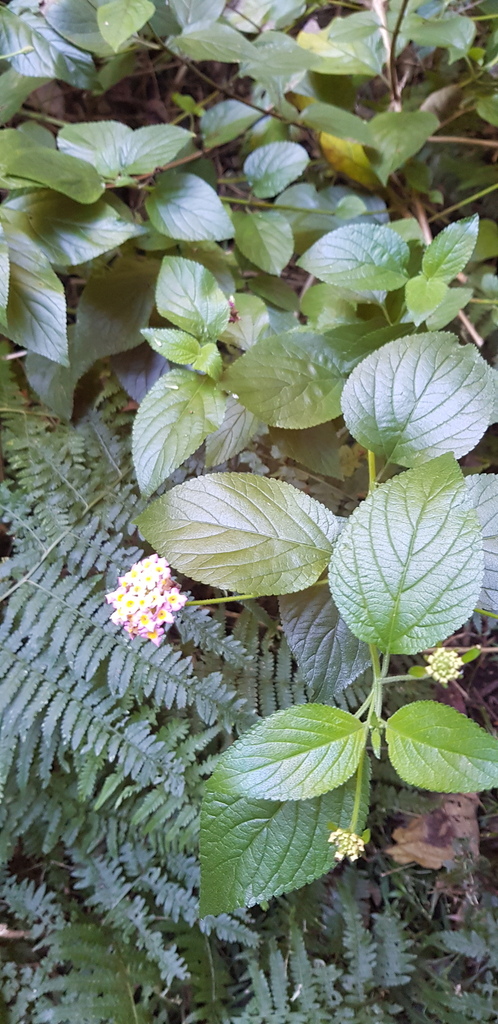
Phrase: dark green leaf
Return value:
(269, 169)
(184, 206)
(419, 397)
(359, 256)
(265, 239)
(397, 136)
(138, 369)
(242, 532)
(407, 569)
(288, 380)
(76, 20)
(317, 447)
(237, 430)
(296, 754)
(435, 747)
(226, 121)
(14, 90)
(336, 121)
(187, 294)
(24, 163)
(455, 32)
(174, 418)
(254, 849)
(212, 42)
(329, 655)
(351, 342)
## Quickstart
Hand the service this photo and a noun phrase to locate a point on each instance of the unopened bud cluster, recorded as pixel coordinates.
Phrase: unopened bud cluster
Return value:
(146, 599)
(444, 665)
(348, 844)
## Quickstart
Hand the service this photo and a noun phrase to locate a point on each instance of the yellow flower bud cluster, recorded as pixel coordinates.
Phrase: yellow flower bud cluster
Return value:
(146, 599)
(444, 665)
(348, 844)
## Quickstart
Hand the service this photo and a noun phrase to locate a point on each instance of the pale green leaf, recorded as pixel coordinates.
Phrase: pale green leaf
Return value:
(76, 20)
(347, 46)
(47, 54)
(329, 656)
(187, 294)
(225, 121)
(14, 91)
(296, 754)
(4, 277)
(451, 250)
(174, 418)
(212, 42)
(184, 206)
(487, 108)
(318, 447)
(245, 533)
(455, 300)
(483, 493)
(237, 430)
(188, 12)
(114, 149)
(423, 296)
(251, 850)
(36, 311)
(120, 19)
(288, 380)
(435, 747)
(419, 397)
(176, 345)
(66, 231)
(455, 32)
(359, 256)
(397, 136)
(265, 238)
(326, 118)
(270, 168)
(407, 569)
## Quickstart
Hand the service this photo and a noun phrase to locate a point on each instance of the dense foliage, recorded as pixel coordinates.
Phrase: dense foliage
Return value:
(244, 268)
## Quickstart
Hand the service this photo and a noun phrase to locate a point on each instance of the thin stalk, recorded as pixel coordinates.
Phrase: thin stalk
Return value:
(357, 793)
(464, 202)
(490, 615)
(372, 475)
(224, 600)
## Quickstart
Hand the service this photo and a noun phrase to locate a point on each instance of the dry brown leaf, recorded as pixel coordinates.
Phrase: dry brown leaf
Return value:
(431, 839)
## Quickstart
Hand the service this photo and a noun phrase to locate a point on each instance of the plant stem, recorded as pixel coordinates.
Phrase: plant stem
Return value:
(372, 473)
(403, 679)
(464, 202)
(490, 615)
(224, 600)
(357, 793)
(393, 74)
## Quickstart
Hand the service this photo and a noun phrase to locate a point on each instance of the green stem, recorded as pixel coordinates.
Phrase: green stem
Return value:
(402, 679)
(261, 205)
(372, 470)
(491, 615)
(464, 202)
(224, 600)
(357, 793)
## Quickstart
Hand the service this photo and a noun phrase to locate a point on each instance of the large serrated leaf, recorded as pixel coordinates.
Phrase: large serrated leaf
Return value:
(450, 252)
(173, 420)
(397, 136)
(115, 149)
(359, 257)
(483, 493)
(288, 380)
(187, 294)
(296, 754)
(36, 311)
(265, 239)
(242, 843)
(407, 569)
(435, 747)
(419, 397)
(329, 655)
(184, 206)
(270, 168)
(242, 532)
(38, 51)
(237, 429)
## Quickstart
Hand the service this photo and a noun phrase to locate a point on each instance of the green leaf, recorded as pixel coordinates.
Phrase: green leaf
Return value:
(209, 361)
(36, 311)
(269, 169)
(359, 256)
(188, 12)
(184, 206)
(47, 54)
(53, 383)
(23, 163)
(76, 20)
(115, 150)
(176, 345)
(350, 343)
(451, 250)
(14, 91)
(138, 369)
(4, 277)
(487, 108)
(226, 121)
(483, 493)
(455, 300)
(397, 136)
(265, 239)
(435, 747)
(329, 655)
(114, 305)
(213, 42)
(423, 296)
(288, 380)
(407, 569)
(174, 418)
(326, 118)
(120, 19)
(251, 850)
(67, 232)
(237, 430)
(242, 532)
(317, 447)
(454, 32)
(296, 754)
(347, 46)
(187, 294)
(419, 397)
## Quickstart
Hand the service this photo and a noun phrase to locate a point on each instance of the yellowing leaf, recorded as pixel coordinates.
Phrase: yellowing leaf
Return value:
(348, 158)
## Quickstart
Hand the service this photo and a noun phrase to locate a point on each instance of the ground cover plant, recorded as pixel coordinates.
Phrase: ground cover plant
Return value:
(249, 497)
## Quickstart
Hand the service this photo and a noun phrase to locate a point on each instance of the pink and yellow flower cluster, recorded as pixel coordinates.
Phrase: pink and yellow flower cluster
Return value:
(146, 599)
